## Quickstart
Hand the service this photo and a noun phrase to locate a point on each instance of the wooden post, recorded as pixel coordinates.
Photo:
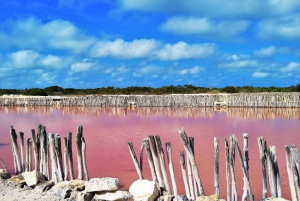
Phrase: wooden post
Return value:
(29, 155)
(162, 163)
(276, 170)
(232, 167)
(22, 149)
(271, 175)
(245, 172)
(3, 164)
(150, 159)
(66, 159)
(141, 157)
(169, 156)
(16, 153)
(295, 166)
(216, 166)
(84, 159)
(58, 155)
(35, 149)
(262, 147)
(135, 161)
(156, 163)
(227, 157)
(189, 152)
(78, 137)
(70, 155)
(185, 182)
(55, 174)
(192, 180)
(290, 172)
(246, 159)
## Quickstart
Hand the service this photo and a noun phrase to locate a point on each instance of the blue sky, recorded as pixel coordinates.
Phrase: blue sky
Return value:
(99, 43)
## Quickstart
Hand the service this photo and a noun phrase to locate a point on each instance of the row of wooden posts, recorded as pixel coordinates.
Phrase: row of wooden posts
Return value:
(191, 176)
(45, 146)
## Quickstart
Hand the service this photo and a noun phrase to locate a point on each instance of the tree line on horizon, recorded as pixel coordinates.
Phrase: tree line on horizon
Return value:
(180, 89)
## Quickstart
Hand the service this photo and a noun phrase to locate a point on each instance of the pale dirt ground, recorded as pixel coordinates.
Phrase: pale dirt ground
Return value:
(10, 192)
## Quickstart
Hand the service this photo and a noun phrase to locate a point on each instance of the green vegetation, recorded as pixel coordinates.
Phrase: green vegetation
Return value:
(185, 89)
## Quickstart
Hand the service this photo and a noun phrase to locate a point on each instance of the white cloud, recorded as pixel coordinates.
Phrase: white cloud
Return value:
(147, 70)
(82, 66)
(123, 49)
(260, 75)
(205, 27)
(215, 8)
(182, 50)
(194, 70)
(291, 67)
(270, 51)
(56, 34)
(239, 61)
(287, 27)
(23, 58)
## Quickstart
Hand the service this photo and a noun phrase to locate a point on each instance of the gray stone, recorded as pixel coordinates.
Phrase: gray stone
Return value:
(144, 190)
(33, 178)
(113, 196)
(62, 190)
(44, 186)
(213, 197)
(102, 184)
(77, 185)
(274, 199)
(81, 196)
(4, 174)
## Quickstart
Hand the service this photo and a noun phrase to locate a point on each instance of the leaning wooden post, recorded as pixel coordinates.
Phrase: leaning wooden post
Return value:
(156, 163)
(185, 182)
(246, 159)
(141, 157)
(66, 158)
(150, 159)
(216, 166)
(22, 149)
(245, 173)
(16, 153)
(271, 175)
(227, 157)
(70, 156)
(169, 156)
(261, 145)
(135, 161)
(290, 172)
(35, 149)
(232, 167)
(162, 163)
(78, 137)
(276, 170)
(84, 159)
(189, 152)
(192, 181)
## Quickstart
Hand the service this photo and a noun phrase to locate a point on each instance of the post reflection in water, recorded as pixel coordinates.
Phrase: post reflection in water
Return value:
(107, 131)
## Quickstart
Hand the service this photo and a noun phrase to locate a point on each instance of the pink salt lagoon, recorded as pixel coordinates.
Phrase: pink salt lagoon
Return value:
(107, 131)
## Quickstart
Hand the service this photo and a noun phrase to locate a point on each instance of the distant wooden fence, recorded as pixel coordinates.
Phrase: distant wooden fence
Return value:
(170, 100)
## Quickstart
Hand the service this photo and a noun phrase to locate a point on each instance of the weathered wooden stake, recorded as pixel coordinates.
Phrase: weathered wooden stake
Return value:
(66, 158)
(156, 163)
(29, 162)
(70, 155)
(232, 168)
(3, 164)
(246, 159)
(295, 166)
(36, 159)
(169, 156)
(271, 175)
(216, 166)
(290, 172)
(78, 137)
(22, 149)
(84, 159)
(150, 159)
(55, 175)
(185, 182)
(262, 150)
(135, 161)
(141, 157)
(58, 155)
(276, 170)
(16, 153)
(189, 152)
(162, 163)
(227, 157)
(192, 180)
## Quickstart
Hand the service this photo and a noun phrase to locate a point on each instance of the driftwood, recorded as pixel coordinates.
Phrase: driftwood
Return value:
(171, 169)
(185, 182)
(155, 161)
(135, 161)
(189, 152)
(78, 137)
(22, 149)
(84, 159)
(16, 153)
(70, 156)
(162, 163)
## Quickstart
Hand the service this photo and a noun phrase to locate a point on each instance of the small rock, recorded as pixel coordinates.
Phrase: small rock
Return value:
(111, 196)
(81, 196)
(62, 190)
(78, 185)
(102, 184)
(33, 178)
(274, 199)
(17, 179)
(44, 186)
(182, 198)
(144, 190)
(4, 174)
(213, 197)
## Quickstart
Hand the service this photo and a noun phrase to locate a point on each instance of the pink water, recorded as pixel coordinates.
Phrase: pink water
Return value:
(107, 131)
